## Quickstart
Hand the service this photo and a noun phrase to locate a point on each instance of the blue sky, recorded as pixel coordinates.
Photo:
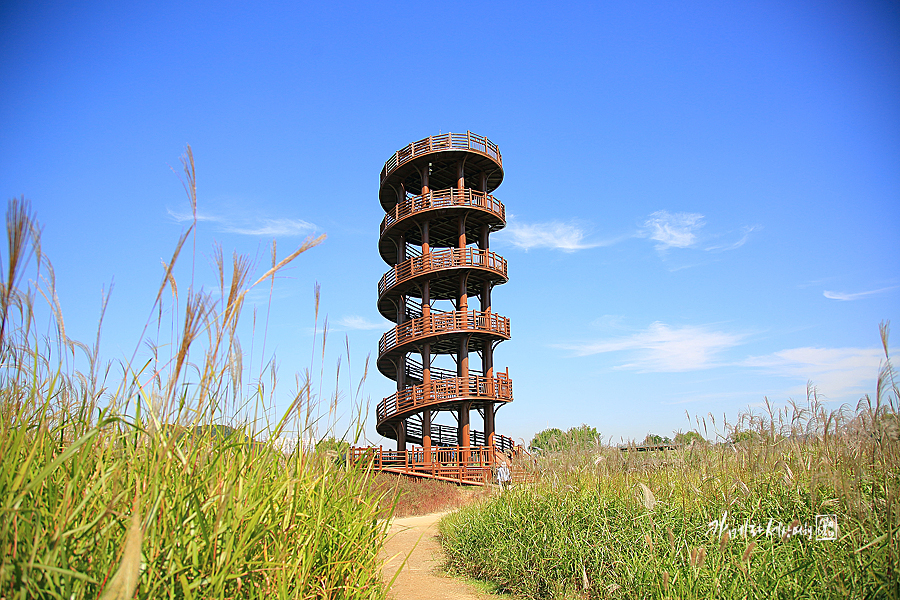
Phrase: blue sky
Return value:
(704, 198)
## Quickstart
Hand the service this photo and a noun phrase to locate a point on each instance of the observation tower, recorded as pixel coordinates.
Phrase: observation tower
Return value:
(435, 238)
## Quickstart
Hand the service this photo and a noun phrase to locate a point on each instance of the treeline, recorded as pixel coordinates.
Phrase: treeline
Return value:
(584, 437)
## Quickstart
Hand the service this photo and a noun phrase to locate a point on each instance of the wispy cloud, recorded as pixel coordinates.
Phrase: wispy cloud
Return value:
(745, 235)
(557, 235)
(358, 322)
(683, 230)
(857, 295)
(274, 227)
(609, 322)
(255, 226)
(669, 230)
(661, 348)
(185, 217)
(813, 283)
(835, 371)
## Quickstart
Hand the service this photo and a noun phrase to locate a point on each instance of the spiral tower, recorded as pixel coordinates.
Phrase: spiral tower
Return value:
(435, 238)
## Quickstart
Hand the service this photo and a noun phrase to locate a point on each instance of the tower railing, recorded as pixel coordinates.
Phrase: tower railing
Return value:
(497, 388)
(443, 199)
(442, 259)
(438, 143)
(436, 324)
(415, 371)
(448, 435)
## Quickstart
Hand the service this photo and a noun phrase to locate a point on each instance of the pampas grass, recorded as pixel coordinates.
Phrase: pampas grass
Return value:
(592, 526)
(130, 485)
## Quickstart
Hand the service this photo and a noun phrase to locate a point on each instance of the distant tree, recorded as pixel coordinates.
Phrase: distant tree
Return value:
(547, 440)
(554, 440)
(333, 445)
(737, 437)
(582, 436)
(688, 437)
(655, 440)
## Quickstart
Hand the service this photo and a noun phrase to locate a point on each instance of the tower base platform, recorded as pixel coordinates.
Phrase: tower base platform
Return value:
(472, 465)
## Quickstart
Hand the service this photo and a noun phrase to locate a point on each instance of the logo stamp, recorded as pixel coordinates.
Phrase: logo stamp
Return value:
(826, 527)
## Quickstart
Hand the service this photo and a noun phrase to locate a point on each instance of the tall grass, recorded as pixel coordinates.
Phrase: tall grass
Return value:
(118, 481)
(682, 524)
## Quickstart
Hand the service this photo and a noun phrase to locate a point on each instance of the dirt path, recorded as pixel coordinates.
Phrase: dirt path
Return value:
(421, 578)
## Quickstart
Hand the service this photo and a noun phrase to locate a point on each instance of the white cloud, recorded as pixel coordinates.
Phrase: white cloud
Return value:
(735, 245)
(668, 230)
(857, 295)
(664, 349)
(836, 372)
(567, 237)
(672, 230)
(184, 217)
(609, 322)
(357, 322)
(250, 226)
(273, 227)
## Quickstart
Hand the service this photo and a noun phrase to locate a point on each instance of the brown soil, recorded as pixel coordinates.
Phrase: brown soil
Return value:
(421, 577)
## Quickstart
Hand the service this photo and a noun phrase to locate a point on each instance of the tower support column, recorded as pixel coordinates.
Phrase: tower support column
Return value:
(485, 297)
(483, 240)
(463, 295)
(463, 357)
(489, 424)
(426, 434)
(463, 432)
(426, 364)
(401, 436)
(463, 429)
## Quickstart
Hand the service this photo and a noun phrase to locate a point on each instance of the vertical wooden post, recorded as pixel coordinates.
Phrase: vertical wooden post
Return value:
(464, 433)
(463, 295)
(485, 297)
(401, 436)
(426, 366)
(489, 425)
(426, 434)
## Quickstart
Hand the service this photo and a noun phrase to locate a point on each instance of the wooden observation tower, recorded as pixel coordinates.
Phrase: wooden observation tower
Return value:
(435, 238)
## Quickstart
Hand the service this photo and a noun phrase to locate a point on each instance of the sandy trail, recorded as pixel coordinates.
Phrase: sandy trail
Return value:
(421, 578)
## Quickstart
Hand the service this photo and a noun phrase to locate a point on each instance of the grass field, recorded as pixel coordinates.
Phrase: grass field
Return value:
(121, 480)
(726, 520)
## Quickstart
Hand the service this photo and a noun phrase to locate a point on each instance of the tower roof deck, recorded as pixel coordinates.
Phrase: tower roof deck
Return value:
(440, 156)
